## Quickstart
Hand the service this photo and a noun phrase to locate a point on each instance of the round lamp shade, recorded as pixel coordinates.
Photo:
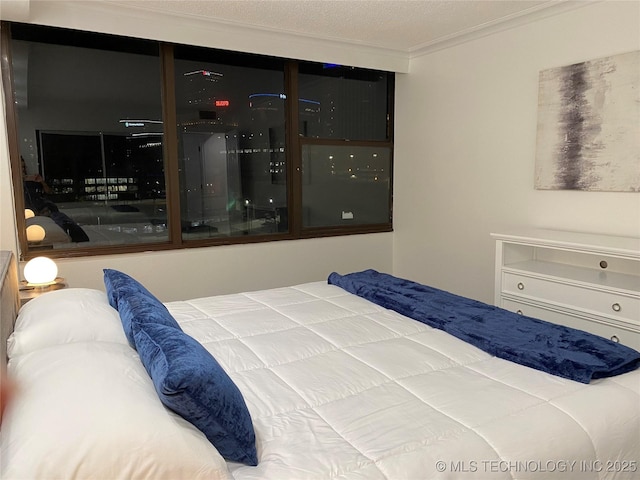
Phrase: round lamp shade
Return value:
(40, 271)
(28, 213)
(35, 233)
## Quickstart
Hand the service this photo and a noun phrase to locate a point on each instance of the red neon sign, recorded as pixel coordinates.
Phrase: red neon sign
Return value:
(222, 103)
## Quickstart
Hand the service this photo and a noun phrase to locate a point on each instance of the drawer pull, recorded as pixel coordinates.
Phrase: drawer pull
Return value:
(616, 307)
(520, 286)
(614, 338)
(519, 312)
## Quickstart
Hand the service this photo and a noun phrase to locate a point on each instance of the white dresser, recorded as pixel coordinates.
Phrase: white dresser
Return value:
(585, 281)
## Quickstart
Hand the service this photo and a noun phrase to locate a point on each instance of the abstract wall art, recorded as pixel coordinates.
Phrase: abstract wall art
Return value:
(588, 134)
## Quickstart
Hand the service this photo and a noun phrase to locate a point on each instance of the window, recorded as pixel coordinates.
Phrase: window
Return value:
(128, 144)
(345, 185)
(346, 150)
(230, 113)
(89, 112)
(343, 102)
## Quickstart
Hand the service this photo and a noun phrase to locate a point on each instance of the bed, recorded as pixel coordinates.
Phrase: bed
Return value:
(331, 385)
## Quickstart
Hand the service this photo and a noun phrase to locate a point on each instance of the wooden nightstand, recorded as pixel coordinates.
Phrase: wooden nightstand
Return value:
(28, 292)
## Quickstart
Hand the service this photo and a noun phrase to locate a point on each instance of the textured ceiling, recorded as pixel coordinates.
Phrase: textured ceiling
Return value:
(405, 25)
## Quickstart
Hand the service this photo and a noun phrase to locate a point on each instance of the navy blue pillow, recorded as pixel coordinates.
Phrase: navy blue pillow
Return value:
(190, 382)
(119, 284)
(135, 303)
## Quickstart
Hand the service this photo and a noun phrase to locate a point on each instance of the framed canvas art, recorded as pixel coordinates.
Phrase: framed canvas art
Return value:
(588, 134)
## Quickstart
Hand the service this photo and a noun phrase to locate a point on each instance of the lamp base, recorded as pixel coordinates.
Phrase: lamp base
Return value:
(57, 284)
(29, 291)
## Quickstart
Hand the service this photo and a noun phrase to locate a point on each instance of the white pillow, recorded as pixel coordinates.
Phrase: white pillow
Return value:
(65, 316)
(90, 410)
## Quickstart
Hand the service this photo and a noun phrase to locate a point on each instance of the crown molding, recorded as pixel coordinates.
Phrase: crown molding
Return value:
(533, 14)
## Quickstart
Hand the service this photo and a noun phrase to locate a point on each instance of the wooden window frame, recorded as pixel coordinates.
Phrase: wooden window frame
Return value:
(293, 141)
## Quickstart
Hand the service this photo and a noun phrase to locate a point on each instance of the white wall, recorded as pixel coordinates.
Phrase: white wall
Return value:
(199, 272)
(465, 147)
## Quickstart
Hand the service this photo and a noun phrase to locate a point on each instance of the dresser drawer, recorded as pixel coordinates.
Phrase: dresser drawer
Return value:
(624, 336)
(619, 307)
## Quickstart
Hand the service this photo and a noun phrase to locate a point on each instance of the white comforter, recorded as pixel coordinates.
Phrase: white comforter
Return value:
(337, 387)
(341, 388)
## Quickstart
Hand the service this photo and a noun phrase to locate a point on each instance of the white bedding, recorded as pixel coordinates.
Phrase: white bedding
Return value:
(337, 387)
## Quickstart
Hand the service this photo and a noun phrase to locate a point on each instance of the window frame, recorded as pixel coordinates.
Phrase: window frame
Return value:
(294, 143)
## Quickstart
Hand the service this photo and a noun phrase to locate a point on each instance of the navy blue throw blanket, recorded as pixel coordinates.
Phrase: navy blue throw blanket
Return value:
(552, 348)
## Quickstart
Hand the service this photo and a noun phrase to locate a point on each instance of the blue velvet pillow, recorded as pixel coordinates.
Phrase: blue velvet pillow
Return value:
(118, 284)
(135, 303)
(190, 382)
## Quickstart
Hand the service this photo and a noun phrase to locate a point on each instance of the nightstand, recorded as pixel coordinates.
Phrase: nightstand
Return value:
(29, 292)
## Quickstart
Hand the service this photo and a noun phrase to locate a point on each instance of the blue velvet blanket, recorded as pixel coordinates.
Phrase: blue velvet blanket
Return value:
(552, 348)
